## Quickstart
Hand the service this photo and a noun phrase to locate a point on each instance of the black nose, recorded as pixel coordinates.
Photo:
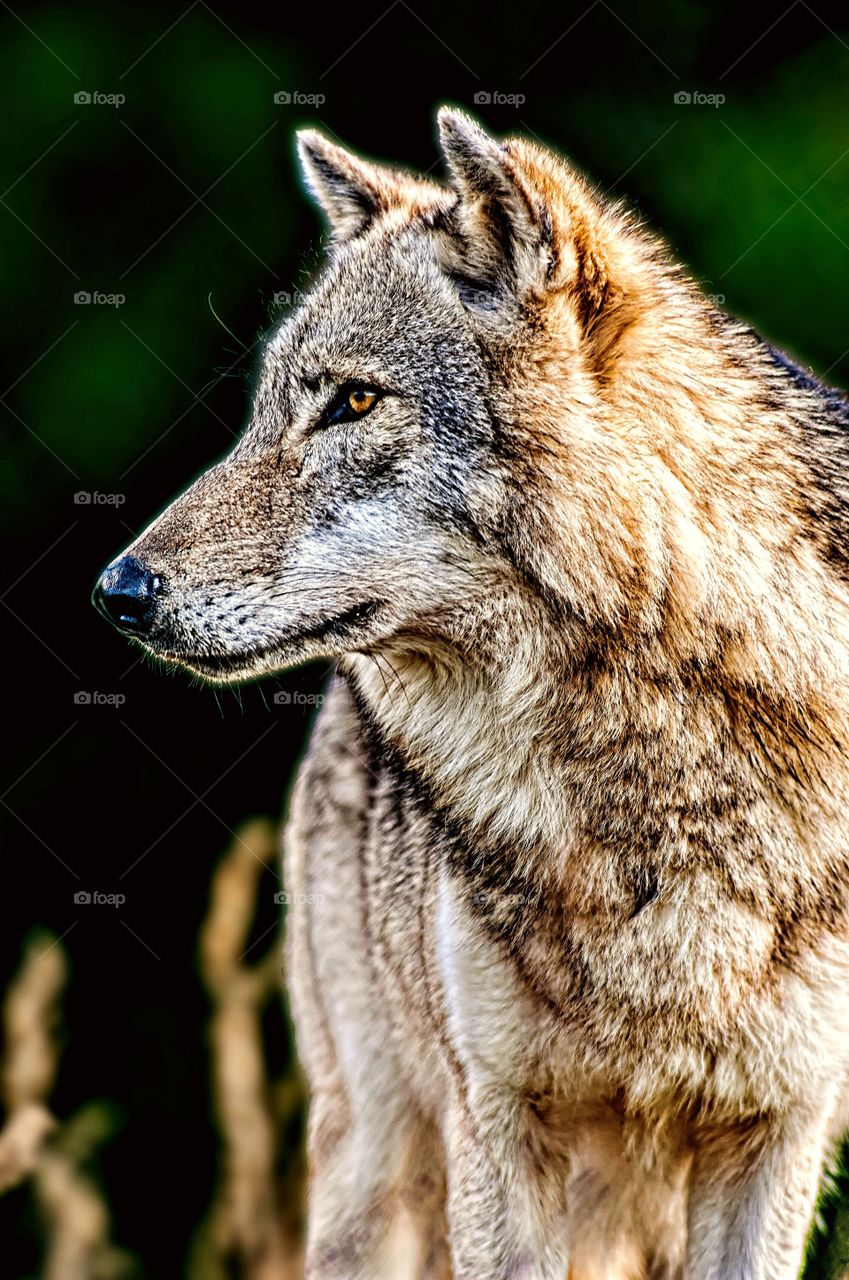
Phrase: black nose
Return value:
(126, 595)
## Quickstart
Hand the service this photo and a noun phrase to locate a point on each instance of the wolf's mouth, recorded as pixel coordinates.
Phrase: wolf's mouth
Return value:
(214, 664)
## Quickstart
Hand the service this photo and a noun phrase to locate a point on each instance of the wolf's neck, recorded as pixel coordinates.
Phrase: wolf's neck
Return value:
(488, 739)
(528, 750)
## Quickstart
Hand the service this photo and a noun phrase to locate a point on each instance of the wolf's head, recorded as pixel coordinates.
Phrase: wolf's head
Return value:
(452, 420)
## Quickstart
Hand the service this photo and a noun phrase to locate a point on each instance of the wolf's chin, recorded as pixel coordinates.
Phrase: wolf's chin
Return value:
(226, 670)
(321, 640)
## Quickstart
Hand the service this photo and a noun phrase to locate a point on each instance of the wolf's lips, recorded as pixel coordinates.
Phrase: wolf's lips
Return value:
(219, 664)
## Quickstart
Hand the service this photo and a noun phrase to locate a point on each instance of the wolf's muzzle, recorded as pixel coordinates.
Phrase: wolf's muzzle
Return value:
(126, 594)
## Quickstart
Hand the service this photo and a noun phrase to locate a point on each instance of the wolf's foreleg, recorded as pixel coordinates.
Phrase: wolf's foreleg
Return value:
(496, 1217)
(752, 1197)
(373, 1214)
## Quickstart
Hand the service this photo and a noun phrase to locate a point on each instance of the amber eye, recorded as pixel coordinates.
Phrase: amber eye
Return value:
(353, 400)
(361, 399)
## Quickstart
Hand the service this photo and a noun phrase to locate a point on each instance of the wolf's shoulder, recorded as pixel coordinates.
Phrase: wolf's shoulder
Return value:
(831, 401)
(817, 417)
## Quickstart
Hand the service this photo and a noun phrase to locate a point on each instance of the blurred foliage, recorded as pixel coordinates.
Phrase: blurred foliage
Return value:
(185, 200)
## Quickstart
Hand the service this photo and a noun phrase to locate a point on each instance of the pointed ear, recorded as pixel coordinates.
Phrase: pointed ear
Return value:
(503, 223)
(353, 192)
(526, 225)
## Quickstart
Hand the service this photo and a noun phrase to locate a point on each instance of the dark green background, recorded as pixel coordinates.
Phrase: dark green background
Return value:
(137, 399)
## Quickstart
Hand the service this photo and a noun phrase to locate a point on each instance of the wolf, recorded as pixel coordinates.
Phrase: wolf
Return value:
(569, 851)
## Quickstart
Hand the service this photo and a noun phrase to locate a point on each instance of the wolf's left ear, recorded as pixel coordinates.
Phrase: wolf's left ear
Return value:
(503, 227)
(353, 192)
(524, 222)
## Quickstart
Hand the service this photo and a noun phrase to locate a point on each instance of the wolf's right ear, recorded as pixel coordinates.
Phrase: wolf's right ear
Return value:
(353, 192)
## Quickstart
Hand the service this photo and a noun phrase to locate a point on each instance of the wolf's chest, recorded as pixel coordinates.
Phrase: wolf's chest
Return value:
(644, 1006)
(654, 973)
